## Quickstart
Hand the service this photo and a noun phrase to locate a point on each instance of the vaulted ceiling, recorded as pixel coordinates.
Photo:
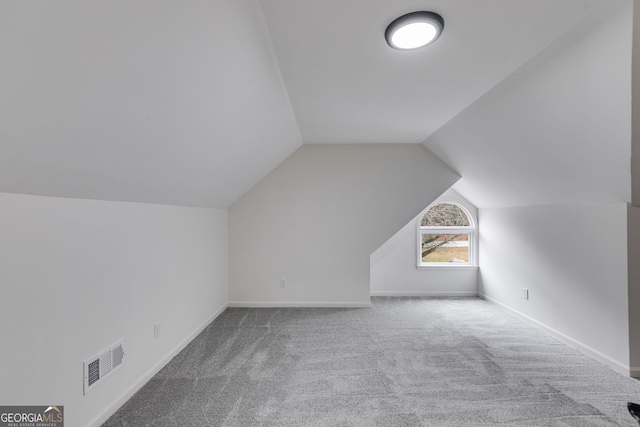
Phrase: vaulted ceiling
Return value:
(193, 102)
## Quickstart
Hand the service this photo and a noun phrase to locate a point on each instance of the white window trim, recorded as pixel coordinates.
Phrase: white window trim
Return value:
(471, 230)
(446, 266)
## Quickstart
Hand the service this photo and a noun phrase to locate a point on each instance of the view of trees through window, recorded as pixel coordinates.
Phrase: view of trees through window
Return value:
(445, 215)
(440, 245)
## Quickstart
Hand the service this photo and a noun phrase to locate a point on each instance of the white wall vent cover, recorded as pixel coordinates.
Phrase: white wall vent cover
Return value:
(105, 363)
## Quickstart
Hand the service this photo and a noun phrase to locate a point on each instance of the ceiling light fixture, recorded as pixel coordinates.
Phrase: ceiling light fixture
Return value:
(414, 30)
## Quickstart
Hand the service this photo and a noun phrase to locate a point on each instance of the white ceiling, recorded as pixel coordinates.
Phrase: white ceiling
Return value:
(347, 85)
(162, 101)
(557, 130)
(193, 102)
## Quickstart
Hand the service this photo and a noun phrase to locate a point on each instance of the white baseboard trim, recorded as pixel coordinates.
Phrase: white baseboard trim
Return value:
(424, 294)
(286, 304)
(583, 348)
(634, 372)
(115, 405)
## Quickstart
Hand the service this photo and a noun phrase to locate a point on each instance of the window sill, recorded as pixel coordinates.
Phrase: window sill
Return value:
(450, 267)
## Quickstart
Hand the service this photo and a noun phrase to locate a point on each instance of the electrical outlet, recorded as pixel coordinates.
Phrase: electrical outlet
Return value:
(156, 330)
(525, 293)
(283, 283)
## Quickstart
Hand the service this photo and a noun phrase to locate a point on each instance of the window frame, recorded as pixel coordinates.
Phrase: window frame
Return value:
(470, 231)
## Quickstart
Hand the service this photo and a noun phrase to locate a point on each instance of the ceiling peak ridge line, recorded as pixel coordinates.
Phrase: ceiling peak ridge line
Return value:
(548, 205)
(274, 52)
(80, 199)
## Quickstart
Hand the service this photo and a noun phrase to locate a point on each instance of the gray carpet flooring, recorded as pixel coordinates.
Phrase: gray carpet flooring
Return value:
(403, 362)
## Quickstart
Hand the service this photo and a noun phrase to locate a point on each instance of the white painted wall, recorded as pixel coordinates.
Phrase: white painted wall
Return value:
(394, 269)
(557, 131)
(633, 245)
(635, 107)
(573, 260)
(77, 275)
(317, 218)
(633, 233)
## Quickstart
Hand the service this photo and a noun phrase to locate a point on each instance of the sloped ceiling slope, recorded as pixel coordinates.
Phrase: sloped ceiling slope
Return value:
(161, 101)
(193, 102)
(347, 85)
(557, 130)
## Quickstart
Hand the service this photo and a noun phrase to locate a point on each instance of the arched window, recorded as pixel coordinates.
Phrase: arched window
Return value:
(446, 236)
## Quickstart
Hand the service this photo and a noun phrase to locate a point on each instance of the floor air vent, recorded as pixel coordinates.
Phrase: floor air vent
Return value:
(105, 363)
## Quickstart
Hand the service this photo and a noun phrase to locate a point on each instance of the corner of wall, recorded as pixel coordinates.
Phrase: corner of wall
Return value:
(633, 265)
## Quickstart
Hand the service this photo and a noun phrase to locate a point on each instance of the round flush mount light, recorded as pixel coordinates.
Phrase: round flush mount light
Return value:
(414, 30)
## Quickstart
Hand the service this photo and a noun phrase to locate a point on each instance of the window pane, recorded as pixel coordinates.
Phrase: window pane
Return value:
(445, 215)
(445, 248)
